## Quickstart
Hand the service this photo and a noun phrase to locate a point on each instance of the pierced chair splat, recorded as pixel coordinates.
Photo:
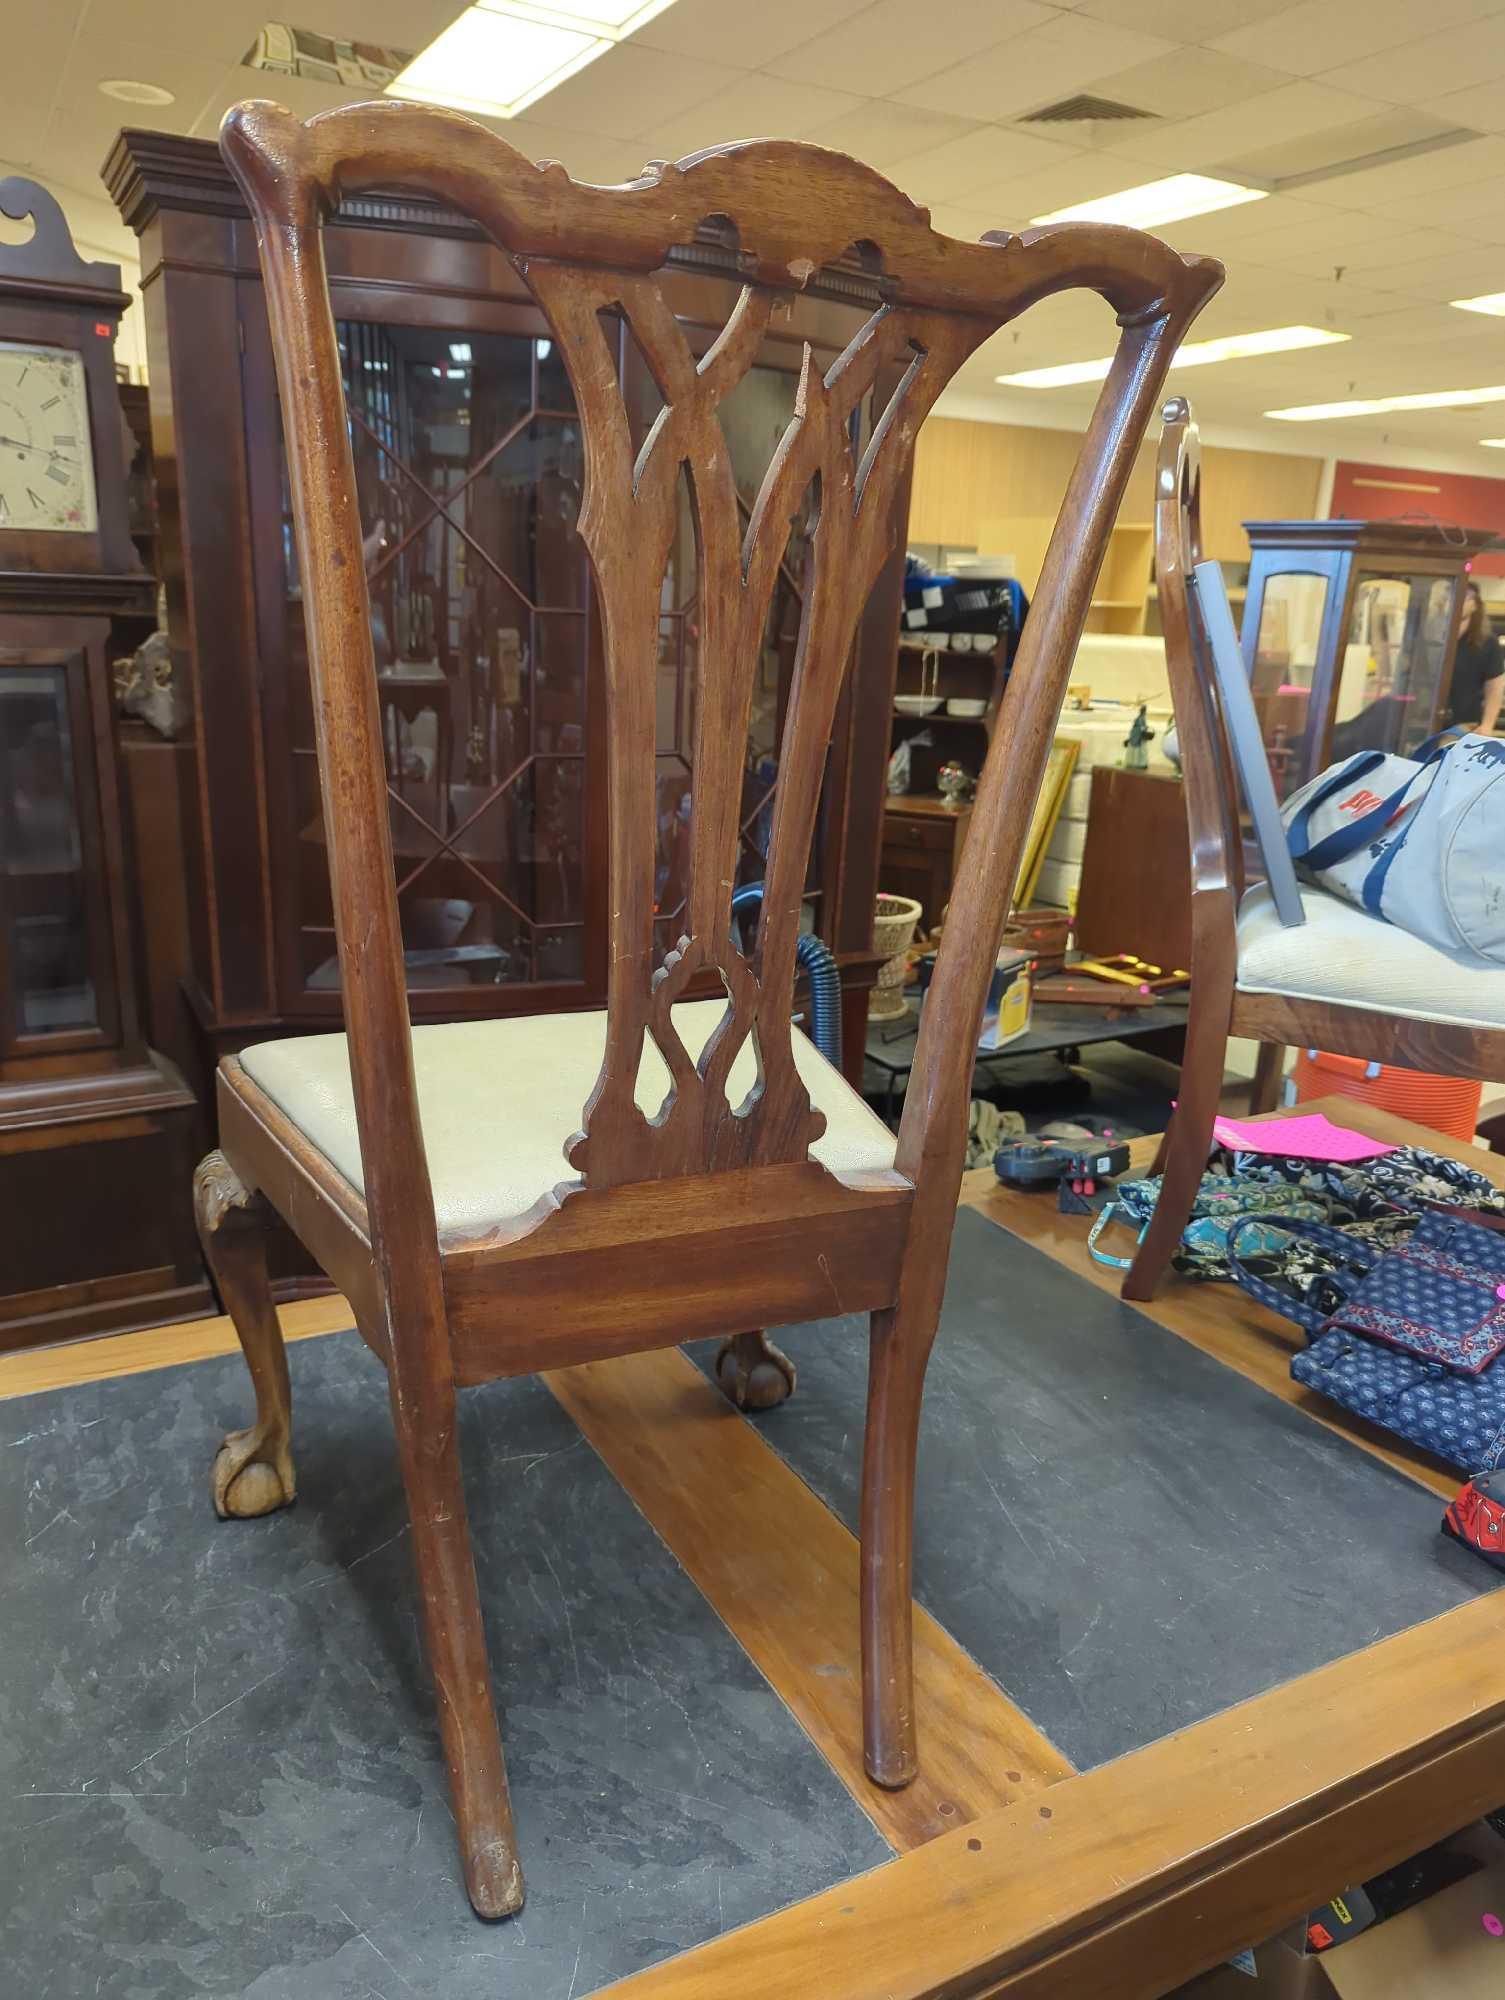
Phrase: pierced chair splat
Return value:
(722, 1176)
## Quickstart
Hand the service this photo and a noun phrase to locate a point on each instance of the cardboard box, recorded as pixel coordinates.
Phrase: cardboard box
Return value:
(1279, 1974)
(1449, 1947)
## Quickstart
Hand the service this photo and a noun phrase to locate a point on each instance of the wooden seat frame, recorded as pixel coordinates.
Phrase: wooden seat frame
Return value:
(708, 1218)
(1219, 1008)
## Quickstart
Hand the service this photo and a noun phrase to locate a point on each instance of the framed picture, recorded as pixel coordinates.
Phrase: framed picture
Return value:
(1048, 803)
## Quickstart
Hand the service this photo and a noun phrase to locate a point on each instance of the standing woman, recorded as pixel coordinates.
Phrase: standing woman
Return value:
(1478, 667)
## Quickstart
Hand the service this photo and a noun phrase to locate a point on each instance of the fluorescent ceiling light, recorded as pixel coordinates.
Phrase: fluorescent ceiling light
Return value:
(500, 56)
(1157, 202)
(1195, 354)
(1498, 443)
(1487, 302)
(1378, 406)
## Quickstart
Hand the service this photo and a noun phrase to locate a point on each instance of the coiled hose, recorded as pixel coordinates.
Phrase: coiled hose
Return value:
(819, 967)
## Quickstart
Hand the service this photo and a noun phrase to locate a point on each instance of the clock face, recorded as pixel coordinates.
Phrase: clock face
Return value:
(46, 452)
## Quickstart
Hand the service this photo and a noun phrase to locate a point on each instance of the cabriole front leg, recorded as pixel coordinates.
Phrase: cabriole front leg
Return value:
(753, 1373)
(253, 1471)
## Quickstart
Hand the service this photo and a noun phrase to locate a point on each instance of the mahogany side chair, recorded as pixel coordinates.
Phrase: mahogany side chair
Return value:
(721, 1176)
(1325, 974)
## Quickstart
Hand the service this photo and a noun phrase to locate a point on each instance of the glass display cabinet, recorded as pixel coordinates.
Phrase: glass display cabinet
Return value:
(469, 468)
(1349, 633)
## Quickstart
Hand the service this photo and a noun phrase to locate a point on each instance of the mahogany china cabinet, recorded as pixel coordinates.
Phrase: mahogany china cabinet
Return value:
(469, 465)
(1349, 633)
(97, 1131)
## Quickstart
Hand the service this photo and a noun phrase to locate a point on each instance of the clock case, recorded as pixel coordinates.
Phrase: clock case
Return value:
(98, 1132)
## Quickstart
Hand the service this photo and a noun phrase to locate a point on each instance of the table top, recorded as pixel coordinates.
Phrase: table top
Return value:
(891, 1044)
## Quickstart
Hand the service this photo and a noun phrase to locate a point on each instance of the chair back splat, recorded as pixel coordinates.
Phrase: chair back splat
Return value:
(585, 251)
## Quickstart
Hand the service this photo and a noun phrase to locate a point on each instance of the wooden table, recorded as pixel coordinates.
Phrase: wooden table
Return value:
(1016, 1875)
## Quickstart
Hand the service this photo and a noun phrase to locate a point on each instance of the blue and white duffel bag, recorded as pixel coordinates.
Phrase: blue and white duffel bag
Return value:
(1417, 841)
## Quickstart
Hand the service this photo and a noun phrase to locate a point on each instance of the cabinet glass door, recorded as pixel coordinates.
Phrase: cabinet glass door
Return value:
(48, 981)
(1390, 672)
(1285, 663)
(469, 467)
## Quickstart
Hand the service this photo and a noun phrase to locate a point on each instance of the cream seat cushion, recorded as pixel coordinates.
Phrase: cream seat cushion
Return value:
(1343, 954)
(499, 1100)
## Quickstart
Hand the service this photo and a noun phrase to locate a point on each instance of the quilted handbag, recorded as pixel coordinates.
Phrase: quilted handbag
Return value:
(1440, 1294)
(1459, 1418)
(1411, 1345)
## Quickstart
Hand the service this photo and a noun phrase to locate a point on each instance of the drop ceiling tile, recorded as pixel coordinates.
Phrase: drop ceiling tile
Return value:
(1190, 82)
(1479, 106)
(1035, 68)
(97, 58)
(586, 156)
(756, 106)
(1468, 206)
(1460, 274)
(236, 84)
(1429, 66)
(1254, 292)
(1338, 149)
(222, 32)
(1199, 144)
(1181, 20)
(878, 133)
(983, 157)
(746, 37)
(1020, 197)
(880, 51)
(1322, 35)
(1386, 259)
(632, 90)
(1441, 328)
(397, 24)
(966, 224)
(1435, 173)
(1268, 231)
(26, 127)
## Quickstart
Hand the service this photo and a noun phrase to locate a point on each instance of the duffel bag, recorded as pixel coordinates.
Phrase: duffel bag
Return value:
(1416, 841)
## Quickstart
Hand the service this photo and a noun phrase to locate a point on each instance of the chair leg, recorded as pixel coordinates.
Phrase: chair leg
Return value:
(253, 1471)
(1269, 1074)
(898, 1352)
(753, 1373)
(1182, 1158)
(455, 1638)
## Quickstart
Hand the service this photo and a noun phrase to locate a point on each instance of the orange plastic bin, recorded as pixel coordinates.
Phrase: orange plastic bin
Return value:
(1446, 1103)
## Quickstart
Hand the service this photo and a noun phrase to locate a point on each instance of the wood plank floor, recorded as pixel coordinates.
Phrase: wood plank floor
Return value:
(788, 1591)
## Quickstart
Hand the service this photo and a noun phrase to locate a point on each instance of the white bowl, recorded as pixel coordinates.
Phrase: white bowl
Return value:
(917, 704)
(971, 710)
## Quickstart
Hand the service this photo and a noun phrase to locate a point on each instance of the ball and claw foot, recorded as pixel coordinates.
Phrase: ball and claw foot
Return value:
(252, 1476)
(753, 1374)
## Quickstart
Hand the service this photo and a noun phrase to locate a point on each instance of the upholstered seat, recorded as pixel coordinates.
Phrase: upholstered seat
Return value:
(1343, 954)
(499, 1100)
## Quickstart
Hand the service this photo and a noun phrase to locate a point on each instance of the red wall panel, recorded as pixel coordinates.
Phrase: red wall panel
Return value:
(1460, 499)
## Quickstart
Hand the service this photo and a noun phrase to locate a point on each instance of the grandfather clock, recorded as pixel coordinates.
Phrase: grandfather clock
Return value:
(96, 1130)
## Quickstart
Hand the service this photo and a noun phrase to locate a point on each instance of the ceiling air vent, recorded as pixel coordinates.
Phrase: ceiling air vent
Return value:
(1085, 110)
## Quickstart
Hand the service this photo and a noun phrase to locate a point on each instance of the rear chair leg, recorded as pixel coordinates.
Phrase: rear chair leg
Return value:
(253, 1472)
(899, 1350)
(455, 1638)
(753, 1373)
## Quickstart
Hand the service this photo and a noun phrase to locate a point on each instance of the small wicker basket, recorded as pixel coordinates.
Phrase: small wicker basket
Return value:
(895, 920)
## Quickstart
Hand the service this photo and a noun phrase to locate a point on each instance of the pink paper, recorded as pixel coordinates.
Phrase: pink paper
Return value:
(1310, 1137)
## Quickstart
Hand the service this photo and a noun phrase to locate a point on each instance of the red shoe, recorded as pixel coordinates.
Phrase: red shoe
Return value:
(1477, 1517)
